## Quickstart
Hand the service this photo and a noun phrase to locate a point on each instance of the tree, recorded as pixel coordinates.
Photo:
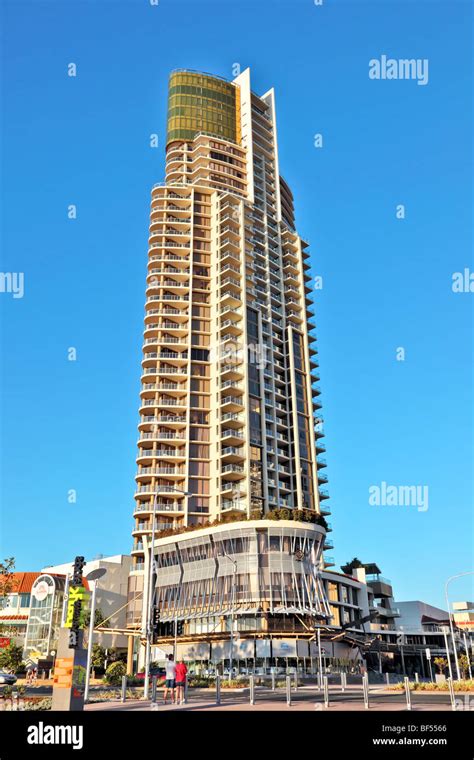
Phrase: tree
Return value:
(98, 656)
(441, 663)
(99, 618)
(347, 569)
(115, 672)
(7, 581)
(113, 655)
(11, 657)
(463, 665)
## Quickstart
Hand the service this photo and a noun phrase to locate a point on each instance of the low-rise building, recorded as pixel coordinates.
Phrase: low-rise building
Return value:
(111, 594)
(32, 613)
(463, 613)
(15, 609)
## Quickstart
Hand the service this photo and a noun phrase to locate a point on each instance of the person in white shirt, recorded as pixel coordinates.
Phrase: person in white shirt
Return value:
(170, 678)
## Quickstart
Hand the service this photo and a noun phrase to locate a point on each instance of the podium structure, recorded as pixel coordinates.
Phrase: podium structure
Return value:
(70, 667)
(69, 673)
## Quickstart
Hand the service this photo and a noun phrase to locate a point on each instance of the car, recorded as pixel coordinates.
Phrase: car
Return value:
(7, 678)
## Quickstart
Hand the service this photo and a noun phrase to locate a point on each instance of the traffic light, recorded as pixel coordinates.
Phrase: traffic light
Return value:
(179, 628)
(155, 620)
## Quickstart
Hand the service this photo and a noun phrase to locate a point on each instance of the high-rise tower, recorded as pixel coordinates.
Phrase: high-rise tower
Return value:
(228, 397)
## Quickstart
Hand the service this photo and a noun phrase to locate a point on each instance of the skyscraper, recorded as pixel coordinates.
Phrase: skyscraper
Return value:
(228, 399)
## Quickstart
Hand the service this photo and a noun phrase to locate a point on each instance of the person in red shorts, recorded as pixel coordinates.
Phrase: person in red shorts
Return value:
(181, 671)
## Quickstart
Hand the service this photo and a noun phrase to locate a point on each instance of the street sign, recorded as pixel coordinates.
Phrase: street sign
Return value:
(428, 654)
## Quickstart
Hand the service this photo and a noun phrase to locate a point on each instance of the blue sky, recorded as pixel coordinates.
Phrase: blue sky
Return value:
(387, 282)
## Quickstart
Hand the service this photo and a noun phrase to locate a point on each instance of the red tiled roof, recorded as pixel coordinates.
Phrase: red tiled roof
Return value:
(22, 582)
(13, 617)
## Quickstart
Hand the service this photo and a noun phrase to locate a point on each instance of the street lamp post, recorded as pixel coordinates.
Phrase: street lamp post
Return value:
(320, 658)
(234, 562)
(151, 594)
(467, 654)
(93, 577)
(452, 578)
(448, 655)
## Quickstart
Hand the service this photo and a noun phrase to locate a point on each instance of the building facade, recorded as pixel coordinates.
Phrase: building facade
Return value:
(15, 609)
(227, 395)
(111, 594)
(230, 414)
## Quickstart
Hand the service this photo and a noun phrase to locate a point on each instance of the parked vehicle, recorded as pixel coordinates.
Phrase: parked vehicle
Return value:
(7, 678)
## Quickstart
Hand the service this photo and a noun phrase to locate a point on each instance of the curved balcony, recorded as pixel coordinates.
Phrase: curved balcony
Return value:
(294, 317)
(161, 506)
(178, 315)
(233, 471)
(232, 420)
(231, 404)
(231, 313)
(161, 435)
(231, 436)
(174, 341)
(156, 372)
(166, 258)
(177, 390)
(145, 456)
(174, 358)
(168, 271)
(146, 474)
(230, 506)
(178, 329)
(172, 421)
(157, 489)
(230, 454)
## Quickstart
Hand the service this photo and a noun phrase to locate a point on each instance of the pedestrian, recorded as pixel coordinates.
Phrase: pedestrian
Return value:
(35, 677)
(181, 671)
(170, 678)
(29, 677)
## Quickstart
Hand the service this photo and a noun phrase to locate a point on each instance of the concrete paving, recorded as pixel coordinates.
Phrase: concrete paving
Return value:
(305, 699)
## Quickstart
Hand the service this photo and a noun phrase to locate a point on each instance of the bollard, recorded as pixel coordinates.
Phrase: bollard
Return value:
(50, 674)
(296, 680)
(154, 681)
(252, 690)
(186, 689)
(406, 681)
(451, 693)
(417, 680)
(365, 689)
(218, 689)
(273, 680)
(326, 691)
(387, 678)
(288, 691)
(343, 681)
(124, 688)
